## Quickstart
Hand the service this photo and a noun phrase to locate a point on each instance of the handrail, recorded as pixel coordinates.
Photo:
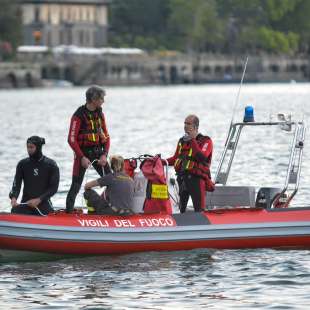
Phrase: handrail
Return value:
(300, 145)
(295, 160)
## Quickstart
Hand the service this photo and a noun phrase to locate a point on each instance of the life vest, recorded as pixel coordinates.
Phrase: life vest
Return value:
(185, 161)
(92, 129)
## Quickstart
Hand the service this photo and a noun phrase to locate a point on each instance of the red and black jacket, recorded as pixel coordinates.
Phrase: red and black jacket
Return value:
(193, 157)
(88, 129)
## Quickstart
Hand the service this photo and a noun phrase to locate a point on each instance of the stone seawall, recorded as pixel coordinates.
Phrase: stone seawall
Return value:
(147, 69)
(141, 68)
(20, 74)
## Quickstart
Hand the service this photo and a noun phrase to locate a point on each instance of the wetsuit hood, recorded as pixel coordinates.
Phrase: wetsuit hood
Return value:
(38, 142)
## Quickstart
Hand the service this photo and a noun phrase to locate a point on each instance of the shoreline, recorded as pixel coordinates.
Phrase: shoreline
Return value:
(33, 69)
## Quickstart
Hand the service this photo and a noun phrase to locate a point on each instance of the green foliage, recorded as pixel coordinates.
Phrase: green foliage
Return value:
(139, 23)
(226, 26)
(298, 21)
(275, 41)
(277, 9)
(197, 22)
(10, 22)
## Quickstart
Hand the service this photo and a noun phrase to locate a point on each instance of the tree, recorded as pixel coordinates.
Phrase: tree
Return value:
(229, 26)
(297, 21)
(138, 22)
(196, 24)
(10, 22)
(258, 25)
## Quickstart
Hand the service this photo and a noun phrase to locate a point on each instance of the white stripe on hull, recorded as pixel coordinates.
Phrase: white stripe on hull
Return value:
(168, 234)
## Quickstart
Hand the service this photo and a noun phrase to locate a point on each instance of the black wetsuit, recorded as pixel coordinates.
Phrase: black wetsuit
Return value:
(41, 180)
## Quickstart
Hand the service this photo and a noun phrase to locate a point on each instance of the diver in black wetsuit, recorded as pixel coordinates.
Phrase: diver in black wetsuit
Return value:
(40, 175)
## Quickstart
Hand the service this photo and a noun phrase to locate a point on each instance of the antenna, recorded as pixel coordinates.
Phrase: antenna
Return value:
(237, 98)
(238, 94)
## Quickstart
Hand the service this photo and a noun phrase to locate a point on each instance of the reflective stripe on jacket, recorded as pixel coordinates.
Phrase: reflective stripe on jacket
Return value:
(93, 131)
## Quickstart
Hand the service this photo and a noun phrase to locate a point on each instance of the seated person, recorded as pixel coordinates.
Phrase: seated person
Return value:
(119, 193)
(40, 175)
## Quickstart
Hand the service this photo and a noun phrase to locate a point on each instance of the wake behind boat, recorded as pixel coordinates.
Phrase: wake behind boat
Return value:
(236, 217)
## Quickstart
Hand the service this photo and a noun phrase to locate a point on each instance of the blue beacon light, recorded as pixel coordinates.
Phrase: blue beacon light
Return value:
(248, 114)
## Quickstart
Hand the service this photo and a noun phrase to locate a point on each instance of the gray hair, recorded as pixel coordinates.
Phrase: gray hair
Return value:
(94, 92)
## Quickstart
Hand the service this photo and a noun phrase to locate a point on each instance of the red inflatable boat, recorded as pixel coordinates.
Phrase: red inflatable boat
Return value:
(236, 217)
(84, 234)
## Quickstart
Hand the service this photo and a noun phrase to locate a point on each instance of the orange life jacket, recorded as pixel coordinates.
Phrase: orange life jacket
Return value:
(92, 130)
(186, 162)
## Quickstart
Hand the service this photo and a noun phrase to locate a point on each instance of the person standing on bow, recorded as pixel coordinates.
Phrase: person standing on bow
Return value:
(89, 139)
(40, 175)
(191, 161)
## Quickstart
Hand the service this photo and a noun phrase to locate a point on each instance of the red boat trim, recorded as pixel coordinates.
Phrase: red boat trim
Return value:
(255, 215)
(93, 248)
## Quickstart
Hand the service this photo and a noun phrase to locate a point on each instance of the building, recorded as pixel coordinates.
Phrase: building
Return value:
(65, 22)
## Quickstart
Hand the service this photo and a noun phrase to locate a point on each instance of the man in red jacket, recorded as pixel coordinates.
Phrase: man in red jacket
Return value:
(89, 140)
(191, 161)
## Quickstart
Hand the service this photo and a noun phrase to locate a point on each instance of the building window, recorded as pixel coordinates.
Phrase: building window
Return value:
(218, 69)
(61, 15)
(37, 14)
(207, 69)
(48, 15)
(87, 38)
(49, 38)
(228, 69)
(81, 35)
(94, 38)
(61, 37)
(274, 68)
(69, 36)
(292, 68)
(69, 15)
(238, 68)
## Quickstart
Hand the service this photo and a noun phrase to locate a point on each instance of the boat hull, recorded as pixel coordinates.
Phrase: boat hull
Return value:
(80, 234)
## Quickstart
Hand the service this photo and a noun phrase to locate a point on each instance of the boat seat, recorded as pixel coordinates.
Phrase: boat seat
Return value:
(231, 196)
(266, 195)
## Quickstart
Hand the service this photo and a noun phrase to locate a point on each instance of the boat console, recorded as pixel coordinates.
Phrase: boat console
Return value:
(231, 196)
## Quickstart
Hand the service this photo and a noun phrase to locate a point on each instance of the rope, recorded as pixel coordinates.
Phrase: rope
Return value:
(38, 210)
(88, 168)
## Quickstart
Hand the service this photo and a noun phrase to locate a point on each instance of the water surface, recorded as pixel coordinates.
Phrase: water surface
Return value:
(150, 120)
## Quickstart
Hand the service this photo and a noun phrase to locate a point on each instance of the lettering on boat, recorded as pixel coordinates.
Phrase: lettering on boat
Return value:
(151, 222)
(94, 223)
(123, 223)
(128, 223)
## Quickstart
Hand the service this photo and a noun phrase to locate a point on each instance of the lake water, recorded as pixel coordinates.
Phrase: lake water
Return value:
(150, 120)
